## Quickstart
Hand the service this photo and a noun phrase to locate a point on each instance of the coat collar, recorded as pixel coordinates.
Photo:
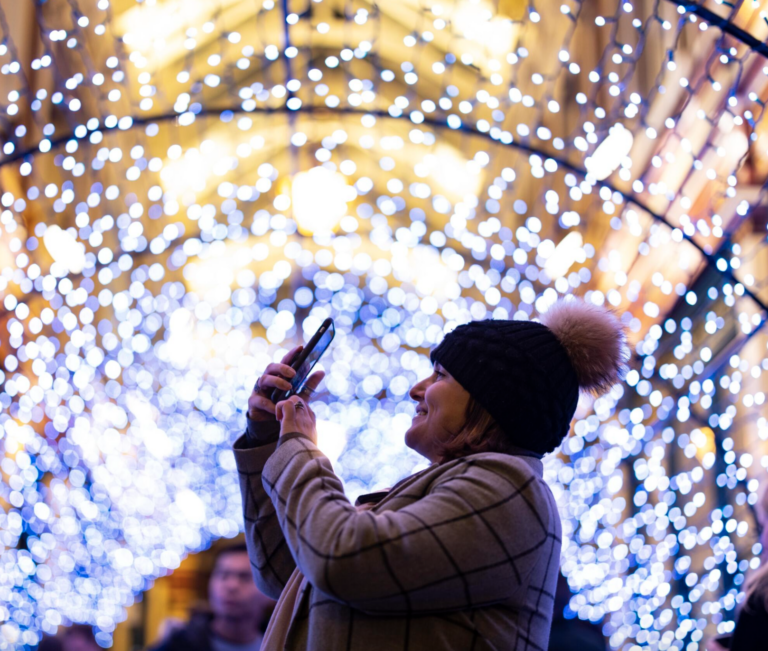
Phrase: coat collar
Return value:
(531, 459)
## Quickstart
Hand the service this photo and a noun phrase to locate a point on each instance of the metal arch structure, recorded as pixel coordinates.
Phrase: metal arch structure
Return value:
(724, 24)
(142, 121)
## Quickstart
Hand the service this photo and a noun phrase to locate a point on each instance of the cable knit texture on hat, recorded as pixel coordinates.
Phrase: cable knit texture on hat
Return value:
(526, 377)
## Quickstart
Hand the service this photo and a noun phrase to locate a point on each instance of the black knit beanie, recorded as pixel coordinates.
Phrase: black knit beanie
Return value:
(527, 375)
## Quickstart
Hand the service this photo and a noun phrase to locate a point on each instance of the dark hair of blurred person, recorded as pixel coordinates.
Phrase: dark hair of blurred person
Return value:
(238, 614)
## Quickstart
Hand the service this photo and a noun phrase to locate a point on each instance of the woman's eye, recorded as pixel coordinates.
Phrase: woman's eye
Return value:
(439, 374)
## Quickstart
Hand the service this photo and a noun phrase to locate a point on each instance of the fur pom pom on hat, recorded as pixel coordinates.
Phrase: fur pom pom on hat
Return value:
(593, 338)
(528, 374)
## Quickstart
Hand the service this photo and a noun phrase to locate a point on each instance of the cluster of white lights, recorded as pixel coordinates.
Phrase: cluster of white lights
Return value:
(166, 244)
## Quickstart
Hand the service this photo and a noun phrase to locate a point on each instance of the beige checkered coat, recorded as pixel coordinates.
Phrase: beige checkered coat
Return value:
(463, 555)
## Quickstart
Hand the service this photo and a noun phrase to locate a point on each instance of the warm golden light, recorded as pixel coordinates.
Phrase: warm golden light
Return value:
(455, 175)
(424, 268)
(216, 269)
(65, 249)
(479, 25)
(704, 440)
(319, 199)
(195, 169)
(154, 26)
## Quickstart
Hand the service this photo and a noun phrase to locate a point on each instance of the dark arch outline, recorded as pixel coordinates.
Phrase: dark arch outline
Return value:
(436, 123)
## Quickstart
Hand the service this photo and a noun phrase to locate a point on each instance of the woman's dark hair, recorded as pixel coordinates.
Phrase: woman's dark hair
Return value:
(480, 433)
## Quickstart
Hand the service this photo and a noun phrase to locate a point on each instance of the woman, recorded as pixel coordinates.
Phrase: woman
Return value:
(462, 555)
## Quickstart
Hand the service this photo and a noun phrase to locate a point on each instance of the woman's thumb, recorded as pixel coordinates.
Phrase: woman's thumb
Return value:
(313, 381)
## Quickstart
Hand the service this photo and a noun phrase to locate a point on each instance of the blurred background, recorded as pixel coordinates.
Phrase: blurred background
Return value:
(189, 188)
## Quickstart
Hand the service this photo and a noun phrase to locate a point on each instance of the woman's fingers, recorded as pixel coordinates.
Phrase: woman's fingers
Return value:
(277, 372)
(281, 370)
(291, 354)
(295, 416)
(286, 414)
(312, 383)
(261, 403)
(273, 381)
(275, 376)
(302, 410)
(310, 386)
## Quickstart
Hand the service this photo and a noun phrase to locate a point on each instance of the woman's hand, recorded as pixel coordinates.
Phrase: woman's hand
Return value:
(278, 376)
(295, 415)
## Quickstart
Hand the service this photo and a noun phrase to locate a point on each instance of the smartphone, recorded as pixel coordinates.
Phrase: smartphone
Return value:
(307, 359)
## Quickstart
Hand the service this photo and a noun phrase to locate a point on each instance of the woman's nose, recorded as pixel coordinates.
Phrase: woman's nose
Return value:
(417, 390)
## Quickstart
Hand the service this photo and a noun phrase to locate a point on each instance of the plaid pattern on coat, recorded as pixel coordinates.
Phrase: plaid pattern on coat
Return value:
(462, 555)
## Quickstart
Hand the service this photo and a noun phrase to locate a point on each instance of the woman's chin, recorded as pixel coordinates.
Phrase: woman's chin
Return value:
(411, 437)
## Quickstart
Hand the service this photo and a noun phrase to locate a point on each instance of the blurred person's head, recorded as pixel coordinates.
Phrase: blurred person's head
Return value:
(79, 637)
(232, 593)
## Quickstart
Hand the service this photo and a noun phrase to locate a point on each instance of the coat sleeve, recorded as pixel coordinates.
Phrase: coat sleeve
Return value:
(271, 559)
(471, 540)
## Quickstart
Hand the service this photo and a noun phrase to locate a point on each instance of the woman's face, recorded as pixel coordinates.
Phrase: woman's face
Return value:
(441, 408)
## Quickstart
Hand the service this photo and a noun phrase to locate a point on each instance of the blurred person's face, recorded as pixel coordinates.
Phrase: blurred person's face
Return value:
(441, 410)
(231, 590)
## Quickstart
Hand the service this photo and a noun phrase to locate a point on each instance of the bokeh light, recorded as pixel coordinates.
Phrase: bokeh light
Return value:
(190, 188)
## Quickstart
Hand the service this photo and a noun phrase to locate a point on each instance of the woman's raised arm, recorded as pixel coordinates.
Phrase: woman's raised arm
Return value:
(472, 540)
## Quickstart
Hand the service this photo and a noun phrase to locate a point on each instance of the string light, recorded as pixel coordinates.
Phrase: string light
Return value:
(198, 196)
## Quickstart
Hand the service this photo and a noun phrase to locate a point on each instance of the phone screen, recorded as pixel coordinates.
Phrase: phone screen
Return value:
(297, 383)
